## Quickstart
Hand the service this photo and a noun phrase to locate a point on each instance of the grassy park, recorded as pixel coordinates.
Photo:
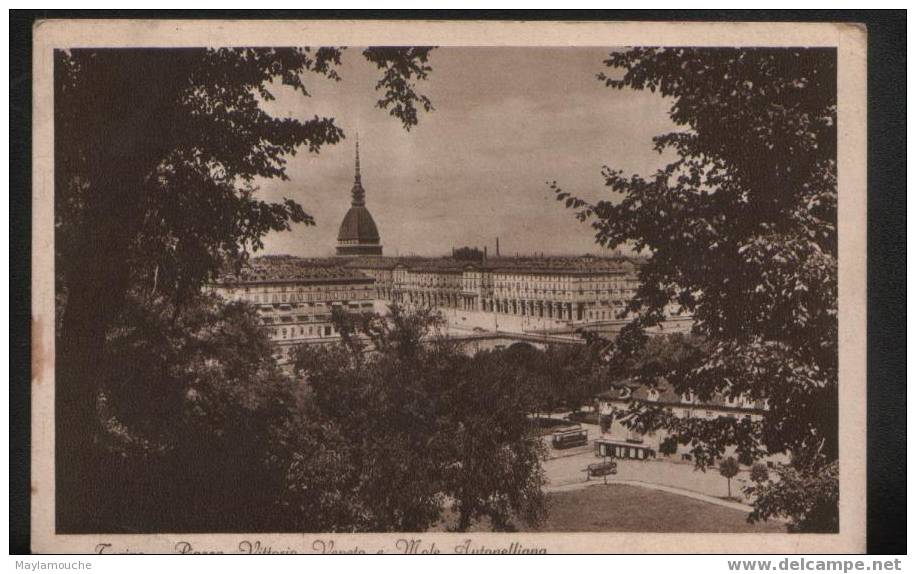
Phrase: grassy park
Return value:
(625, 508)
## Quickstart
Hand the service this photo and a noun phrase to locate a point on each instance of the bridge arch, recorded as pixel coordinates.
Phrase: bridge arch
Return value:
(524, 345)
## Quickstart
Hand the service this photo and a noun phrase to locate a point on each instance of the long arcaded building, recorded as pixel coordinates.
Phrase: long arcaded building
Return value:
(295, 297)
(586, 288)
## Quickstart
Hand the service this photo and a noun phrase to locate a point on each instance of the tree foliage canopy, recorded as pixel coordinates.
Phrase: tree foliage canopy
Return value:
(196, 422)
(157, 151)
(421, 424)
(741, 233)
(157, 156)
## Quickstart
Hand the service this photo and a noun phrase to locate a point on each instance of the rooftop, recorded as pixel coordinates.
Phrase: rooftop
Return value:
(280, 268)
(665, 394)
(284, 268)
(586, 264)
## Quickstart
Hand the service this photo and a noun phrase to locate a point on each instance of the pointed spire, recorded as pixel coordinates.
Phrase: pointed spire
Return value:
(358, 178)
(359, 194)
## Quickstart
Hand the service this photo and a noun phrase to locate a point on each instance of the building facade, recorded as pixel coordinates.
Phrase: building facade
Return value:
(295, 298)
(429, 283)
(564, 289)
(381, 270)
(619, 441)
(558, 295)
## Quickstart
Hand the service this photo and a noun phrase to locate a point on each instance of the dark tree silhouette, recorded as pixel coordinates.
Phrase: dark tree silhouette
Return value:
(156, 154)
(415, 423)
(741, 233)
(196, 422)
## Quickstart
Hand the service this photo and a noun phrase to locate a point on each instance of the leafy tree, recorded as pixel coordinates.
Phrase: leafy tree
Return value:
(562, 377)
(741, 233)
(806, 493)
(605, 422)
(415, 423)
(639, 358)
(745, 459)
(575, 374)
(530, 364)
(668, 446)
(497, 474)
(194, 415)
(376, 403)
(156, 157)
(759, 472)
(728, 468)
(402, 67)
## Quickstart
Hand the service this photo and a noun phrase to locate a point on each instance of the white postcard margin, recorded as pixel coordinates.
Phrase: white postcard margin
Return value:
(850, 41)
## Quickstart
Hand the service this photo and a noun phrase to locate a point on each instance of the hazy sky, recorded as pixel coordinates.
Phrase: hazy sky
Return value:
(506, 120)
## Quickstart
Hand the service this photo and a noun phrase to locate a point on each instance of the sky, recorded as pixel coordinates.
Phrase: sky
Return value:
(506, 121)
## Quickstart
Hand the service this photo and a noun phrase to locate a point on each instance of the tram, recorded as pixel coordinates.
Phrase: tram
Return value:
(569, 437)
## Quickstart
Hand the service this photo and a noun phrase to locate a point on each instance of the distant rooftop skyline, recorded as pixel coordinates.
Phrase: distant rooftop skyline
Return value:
(506, 121)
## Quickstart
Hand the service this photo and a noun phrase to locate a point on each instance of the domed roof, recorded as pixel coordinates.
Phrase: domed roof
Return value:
(358, 225)
(358, 234)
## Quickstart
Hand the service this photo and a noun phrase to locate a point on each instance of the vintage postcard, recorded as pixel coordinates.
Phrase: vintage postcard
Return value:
(448, 287)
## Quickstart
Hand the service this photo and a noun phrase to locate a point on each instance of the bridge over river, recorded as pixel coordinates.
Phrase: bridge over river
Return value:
(474, 342)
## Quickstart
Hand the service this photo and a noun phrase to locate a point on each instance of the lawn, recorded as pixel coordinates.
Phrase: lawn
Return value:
(625, 508)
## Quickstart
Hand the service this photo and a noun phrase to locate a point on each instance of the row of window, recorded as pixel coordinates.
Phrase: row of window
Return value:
(511, 281)
(292, 288)
(270, 319)
(311, 297)
(299, 332)
(580, 290)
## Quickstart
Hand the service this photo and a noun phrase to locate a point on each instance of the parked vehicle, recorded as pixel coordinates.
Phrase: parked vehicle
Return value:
(601, 468)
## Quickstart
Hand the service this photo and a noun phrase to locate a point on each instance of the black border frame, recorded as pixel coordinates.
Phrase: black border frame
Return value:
(886, 336)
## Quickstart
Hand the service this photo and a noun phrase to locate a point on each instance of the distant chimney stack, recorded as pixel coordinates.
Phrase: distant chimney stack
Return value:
(497, 246)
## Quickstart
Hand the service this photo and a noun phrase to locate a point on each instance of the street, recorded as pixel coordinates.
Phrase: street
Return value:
(565, 469)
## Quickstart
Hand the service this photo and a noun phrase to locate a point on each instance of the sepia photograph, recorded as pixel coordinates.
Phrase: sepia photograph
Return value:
(300, 288)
